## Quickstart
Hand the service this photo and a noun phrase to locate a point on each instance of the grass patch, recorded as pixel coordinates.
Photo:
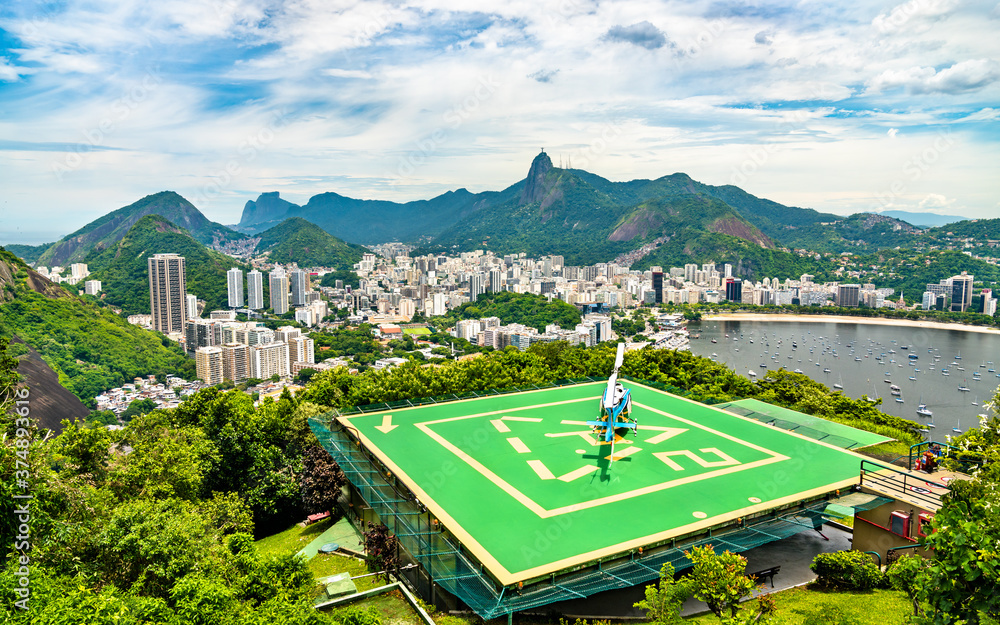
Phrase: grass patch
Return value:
(393, 607)
(813, 606)
(292, 540)
(324, 565)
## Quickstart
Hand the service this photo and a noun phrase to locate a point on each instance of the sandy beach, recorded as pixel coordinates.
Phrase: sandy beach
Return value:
(934, 325)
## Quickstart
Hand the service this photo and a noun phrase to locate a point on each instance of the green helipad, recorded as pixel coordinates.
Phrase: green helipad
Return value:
(521, 481)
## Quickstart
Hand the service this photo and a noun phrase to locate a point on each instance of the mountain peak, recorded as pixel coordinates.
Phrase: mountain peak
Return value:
(534, 189)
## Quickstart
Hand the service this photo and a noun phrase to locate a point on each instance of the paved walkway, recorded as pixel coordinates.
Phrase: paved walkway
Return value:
(342, 532)
(793, 555)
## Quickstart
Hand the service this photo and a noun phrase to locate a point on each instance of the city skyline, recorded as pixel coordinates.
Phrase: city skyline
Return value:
(885, 105)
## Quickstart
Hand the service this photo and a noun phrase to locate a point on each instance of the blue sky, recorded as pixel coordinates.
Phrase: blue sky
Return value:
(842, 107)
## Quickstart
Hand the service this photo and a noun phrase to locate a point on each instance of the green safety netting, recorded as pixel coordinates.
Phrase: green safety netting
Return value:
(449, 566)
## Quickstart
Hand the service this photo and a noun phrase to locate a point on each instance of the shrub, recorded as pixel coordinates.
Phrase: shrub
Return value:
(849, 570)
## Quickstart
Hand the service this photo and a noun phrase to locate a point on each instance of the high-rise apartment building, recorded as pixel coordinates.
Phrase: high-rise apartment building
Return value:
(848, 295)
(92, 287)
(255, 290)
(286, 333)
(299, 284)
(235, 362)
(302, 349)
(278, 284)
(734, 290)
(269, 360)
(167, 290)
(234, 287)
(477, 285)
(191, 306)
(202, 333)
(208, 364)
(658, 286)
(961, 292)
(496, 277)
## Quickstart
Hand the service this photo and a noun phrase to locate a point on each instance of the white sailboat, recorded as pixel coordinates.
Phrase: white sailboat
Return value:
(958, 427)
(840, 383)
(922, 409)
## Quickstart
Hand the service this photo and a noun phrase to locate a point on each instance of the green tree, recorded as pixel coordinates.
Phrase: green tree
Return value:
(962, 579)
(138, 407)
(150, 545)
(663, 600)
(719, 580)
(905, 574)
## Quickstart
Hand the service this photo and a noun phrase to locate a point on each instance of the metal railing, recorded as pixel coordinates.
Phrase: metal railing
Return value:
(897, 483)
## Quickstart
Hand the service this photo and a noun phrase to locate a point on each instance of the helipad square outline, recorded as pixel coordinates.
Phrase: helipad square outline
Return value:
(469, 532)
(544, 513)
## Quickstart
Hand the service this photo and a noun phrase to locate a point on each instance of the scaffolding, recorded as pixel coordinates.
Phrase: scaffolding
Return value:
(445, 564)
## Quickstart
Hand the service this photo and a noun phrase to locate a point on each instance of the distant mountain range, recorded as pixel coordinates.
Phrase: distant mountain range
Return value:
(587, 218)
(104, 232)
(927, 220)
(570, 212)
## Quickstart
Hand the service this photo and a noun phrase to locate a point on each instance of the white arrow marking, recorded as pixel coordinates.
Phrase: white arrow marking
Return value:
(387, 425)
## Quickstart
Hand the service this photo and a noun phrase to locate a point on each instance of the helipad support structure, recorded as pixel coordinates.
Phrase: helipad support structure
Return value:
(509, 502)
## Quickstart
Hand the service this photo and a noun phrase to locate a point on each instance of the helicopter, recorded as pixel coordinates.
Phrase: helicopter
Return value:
(615, 420)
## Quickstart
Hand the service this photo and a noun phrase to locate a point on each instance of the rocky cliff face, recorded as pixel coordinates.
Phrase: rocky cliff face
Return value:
(534, 184)
(267, 207)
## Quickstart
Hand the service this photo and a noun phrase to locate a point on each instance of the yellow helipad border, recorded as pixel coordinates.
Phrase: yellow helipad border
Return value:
(506, 577)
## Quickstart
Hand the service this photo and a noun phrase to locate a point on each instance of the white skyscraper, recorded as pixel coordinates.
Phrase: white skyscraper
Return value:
(477, 285)
(496, 281)
(191, 306)
(167, 288)
(278, 283)
(234, 284)
(255, 290)
(299, 279)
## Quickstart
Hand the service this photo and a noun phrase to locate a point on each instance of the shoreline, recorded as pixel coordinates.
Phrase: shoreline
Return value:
(907, 323)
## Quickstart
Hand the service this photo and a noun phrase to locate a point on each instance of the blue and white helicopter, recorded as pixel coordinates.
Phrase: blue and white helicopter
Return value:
(615, 419)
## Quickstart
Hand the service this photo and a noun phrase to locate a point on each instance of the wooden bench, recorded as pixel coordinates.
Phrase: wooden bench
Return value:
(765, 574)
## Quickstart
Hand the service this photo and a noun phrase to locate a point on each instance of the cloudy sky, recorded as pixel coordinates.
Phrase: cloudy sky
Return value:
(842, 107)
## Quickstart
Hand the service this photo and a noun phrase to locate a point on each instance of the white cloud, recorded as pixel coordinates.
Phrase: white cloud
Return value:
(959, 78)
(368, 85)
(347, 73)
(984, 115)
(933, 201)
(915, 13)
(8, 72)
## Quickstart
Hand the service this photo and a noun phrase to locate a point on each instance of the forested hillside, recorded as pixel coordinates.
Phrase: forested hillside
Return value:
(295, 240)
(90, 348)
(124, 272)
